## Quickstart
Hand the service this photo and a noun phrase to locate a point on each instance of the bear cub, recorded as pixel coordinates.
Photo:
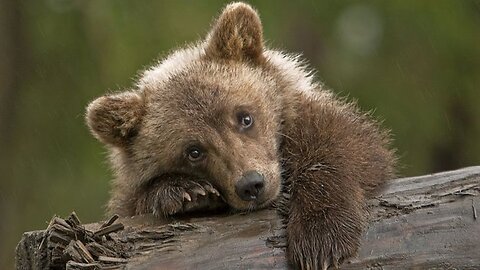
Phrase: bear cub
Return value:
(228, 122)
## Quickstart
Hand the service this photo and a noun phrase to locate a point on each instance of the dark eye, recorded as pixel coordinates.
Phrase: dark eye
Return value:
(194, 153)
(245, 119)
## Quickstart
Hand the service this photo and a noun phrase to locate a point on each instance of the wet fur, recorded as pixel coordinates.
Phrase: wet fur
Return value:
(330, 155)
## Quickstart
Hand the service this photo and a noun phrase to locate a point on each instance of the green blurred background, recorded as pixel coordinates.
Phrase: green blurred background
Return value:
(416, 62)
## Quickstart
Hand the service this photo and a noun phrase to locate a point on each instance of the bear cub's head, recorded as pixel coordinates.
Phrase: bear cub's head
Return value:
(211, 110)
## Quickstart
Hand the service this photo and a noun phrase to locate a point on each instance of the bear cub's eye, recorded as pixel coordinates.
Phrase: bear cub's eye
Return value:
(245, 120)
(194, 153)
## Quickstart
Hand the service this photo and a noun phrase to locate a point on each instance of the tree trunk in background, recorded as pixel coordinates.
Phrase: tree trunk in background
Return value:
(10, 65)
(419, 222)
(11, 61)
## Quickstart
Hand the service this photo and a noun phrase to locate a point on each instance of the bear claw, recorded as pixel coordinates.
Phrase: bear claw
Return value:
(210, 189)
(187, 197)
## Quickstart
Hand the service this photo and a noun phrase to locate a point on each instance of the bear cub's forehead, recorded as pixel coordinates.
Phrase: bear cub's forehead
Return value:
(206, 86)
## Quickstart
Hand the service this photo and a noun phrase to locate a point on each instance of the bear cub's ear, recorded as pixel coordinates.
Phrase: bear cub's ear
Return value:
(114, 119)
(236, 35)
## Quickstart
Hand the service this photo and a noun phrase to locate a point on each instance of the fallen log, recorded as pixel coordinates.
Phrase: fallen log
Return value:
(418, 222)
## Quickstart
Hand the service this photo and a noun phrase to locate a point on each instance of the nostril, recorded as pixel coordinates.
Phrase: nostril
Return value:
(258, 187)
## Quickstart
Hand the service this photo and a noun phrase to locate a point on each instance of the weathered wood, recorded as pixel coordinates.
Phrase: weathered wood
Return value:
(419, 222)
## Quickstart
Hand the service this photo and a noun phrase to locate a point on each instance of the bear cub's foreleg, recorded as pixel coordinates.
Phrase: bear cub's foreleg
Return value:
(335, 158)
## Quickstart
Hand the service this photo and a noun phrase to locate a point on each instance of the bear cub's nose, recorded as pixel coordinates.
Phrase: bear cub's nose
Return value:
(250, 186)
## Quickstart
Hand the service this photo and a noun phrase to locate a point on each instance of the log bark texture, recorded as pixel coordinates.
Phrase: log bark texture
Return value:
(426, 222)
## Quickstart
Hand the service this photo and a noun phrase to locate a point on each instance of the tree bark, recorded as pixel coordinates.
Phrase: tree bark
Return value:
(419, 222)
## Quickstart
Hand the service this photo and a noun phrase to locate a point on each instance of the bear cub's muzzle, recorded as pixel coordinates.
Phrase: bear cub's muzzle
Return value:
(251, 186)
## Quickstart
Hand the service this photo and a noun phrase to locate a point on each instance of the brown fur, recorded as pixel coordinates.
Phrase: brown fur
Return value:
(320, 157)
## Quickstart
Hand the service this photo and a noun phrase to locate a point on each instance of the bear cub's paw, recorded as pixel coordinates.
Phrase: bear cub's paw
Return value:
(187, 196)
(173, 197)
(312, 247)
